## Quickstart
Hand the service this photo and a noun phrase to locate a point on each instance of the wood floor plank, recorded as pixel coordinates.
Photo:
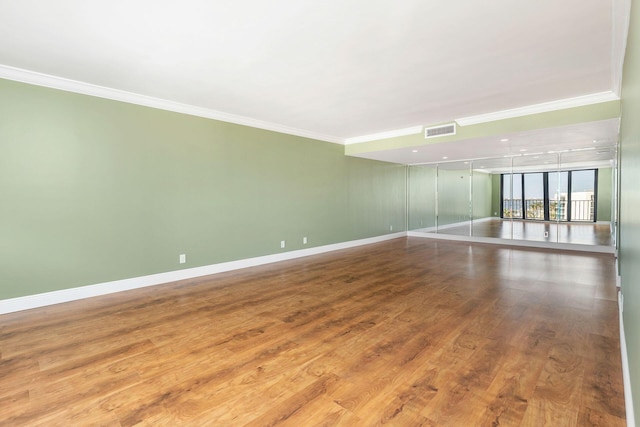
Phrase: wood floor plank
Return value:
(511, 388)
(406, 332)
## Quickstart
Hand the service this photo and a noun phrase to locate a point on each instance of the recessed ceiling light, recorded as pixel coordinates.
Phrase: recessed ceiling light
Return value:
(523, 150)
(504, 139)
(414, 151)
(466, 163)
(445, 157)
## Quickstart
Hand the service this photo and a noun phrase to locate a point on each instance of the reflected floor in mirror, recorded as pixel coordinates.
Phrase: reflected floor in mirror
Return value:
(582, 233)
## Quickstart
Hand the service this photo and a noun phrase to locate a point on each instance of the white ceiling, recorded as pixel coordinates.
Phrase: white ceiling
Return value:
(333, 69)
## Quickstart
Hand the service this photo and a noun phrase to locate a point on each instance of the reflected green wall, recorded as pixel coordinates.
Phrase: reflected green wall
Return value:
(605, 184)
(629, 230)
(495, 195)
(482, 195)
(95, 190)
(453, 196)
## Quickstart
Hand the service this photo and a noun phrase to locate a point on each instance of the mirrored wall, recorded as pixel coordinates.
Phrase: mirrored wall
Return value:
(550, 198)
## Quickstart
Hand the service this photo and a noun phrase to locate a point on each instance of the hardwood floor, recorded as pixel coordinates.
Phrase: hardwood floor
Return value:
(574, 232)
(407, 332)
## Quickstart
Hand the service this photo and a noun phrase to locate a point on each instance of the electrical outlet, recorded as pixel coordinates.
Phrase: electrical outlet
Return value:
(391, 228)
(546, 234)
(183, 258)
(304, 240)
(282, 244)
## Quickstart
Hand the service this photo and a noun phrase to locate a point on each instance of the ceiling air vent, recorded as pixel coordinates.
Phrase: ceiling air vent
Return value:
(442, 130)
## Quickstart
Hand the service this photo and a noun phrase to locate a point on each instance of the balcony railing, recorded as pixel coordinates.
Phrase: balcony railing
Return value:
(581, 210)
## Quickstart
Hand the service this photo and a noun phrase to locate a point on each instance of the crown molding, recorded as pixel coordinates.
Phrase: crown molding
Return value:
(620, 29)
(68, 85)
(561, 104)
(384, 135)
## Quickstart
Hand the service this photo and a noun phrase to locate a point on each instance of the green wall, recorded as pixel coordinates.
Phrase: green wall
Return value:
(629, 230)
(422, 196)
(563, 117)
(94, 190)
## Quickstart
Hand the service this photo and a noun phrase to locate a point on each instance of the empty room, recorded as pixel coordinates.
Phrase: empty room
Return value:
(330, 213)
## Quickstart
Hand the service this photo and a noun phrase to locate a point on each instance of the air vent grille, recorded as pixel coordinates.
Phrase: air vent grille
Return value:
(443, 130)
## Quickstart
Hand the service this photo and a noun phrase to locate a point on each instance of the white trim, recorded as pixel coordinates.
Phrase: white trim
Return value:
(54, 82)
(66, 295)
(514, 242)
(46, 80)
(626, 378)
(484, 171)
(620, 18)
(561, 104)
(384, 135)
(544, 168)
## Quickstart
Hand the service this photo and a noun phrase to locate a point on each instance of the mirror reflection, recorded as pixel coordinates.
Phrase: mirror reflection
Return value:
(547, 198)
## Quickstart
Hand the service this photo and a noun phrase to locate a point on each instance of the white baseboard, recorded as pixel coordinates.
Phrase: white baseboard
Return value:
(73, 294)
(628, 398)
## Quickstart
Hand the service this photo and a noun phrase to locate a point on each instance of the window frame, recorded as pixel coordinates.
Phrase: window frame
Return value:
(545, 181)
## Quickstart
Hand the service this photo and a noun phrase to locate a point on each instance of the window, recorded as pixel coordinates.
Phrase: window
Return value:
(558, 187)
(550, 196)
(512, 195)
(583, 192)
(534, 206)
